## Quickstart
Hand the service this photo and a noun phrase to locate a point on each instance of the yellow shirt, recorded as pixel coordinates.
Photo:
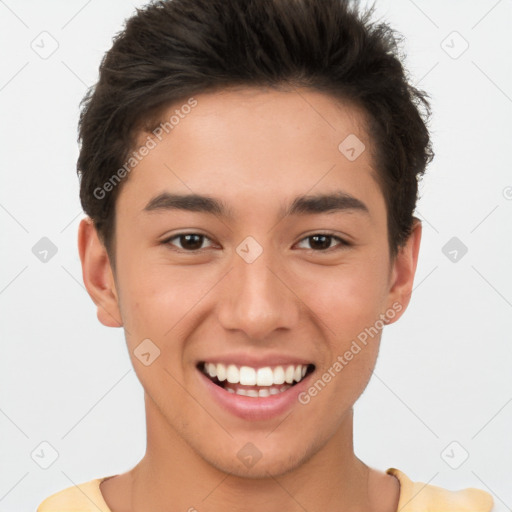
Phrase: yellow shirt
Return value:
(414, 497)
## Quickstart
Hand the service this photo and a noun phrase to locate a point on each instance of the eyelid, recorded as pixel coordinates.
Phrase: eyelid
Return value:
(342, 242)
(167, 241)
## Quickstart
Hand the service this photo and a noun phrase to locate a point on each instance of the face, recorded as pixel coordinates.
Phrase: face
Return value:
(261, 276)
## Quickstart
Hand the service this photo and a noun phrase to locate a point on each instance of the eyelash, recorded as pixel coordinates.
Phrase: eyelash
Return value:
(343, 243)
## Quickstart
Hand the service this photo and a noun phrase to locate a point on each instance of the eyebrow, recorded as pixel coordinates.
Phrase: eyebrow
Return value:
(301, 205)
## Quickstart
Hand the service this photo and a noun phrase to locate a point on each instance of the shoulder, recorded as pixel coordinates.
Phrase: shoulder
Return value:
(421, 497)
(84, 497)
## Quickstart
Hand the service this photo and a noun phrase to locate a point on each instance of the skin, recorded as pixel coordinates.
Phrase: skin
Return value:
(256, 150)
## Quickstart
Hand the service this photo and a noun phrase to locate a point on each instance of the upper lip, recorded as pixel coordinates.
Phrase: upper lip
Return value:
(256, 361)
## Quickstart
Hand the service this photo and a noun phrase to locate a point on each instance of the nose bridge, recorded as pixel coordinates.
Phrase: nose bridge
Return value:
(256, 299)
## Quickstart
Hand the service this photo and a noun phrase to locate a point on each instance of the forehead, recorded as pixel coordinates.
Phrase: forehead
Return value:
(256, 144)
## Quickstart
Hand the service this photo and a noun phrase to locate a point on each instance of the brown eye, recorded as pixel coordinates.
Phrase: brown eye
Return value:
(322, 242)
(188, 242)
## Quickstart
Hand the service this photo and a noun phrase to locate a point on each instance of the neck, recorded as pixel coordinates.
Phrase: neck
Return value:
(172, 476)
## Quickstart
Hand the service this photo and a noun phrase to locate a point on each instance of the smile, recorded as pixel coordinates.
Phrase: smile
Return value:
(255, 382)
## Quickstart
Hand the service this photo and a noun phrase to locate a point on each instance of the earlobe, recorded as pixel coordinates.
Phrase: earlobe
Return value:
(97, 274)
(403, 272)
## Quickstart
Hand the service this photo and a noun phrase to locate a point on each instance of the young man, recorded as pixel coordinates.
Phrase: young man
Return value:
(249, 170)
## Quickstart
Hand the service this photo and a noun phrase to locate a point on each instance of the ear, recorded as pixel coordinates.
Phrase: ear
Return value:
(97, 274)
(402, 273)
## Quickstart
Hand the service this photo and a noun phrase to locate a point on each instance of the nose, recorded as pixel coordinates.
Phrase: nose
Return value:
(257, 299)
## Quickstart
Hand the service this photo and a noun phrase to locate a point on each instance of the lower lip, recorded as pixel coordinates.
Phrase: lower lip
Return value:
(255, 408)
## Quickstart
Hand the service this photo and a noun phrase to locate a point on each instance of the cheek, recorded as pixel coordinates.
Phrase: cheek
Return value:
(155, 302)
(348, 298)
(157, 299)
(160, 301)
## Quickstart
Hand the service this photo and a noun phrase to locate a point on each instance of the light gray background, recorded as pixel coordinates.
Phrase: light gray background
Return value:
(443, 374)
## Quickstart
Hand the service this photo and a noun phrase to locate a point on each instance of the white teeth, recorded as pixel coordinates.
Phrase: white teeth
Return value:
(247, 376)
(254, 393)
(278, 375)
(289, 374)
(233, 374)
(265, 377)
(221, 372)
(212, 369)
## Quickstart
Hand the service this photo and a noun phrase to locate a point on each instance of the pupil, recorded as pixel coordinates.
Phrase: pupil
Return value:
(192, 245)
(324, 245)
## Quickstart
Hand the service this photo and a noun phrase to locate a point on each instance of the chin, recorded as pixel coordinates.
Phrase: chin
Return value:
(259, 459)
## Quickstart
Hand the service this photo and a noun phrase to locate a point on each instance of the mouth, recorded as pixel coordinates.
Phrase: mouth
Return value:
(255, 382)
